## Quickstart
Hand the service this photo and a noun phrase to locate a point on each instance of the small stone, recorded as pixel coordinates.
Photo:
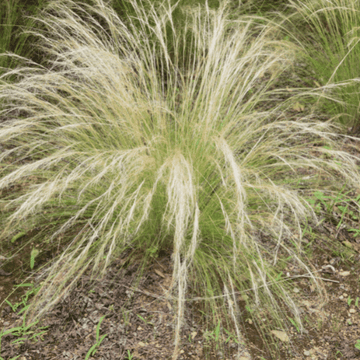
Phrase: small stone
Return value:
(352, 311)
(345, 295)
(307, 353)
(220, 355)
(341, 297)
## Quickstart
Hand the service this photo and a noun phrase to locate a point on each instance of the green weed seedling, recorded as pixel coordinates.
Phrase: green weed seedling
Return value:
(144, 320)
(125, 316)
(13, 307)
(314, 201)
(322, 198)
(22, 332)
(213, 335)
(129, 355)
(14, 358)
(24, 298)
(351, 214)
(249, 309)
(99, 339)
(344, 209)
(349, 300)
(231, 337)
(355, 231)
(328, 202)
(339, 352)
(295, 324)
(357, 345)
(278, 277)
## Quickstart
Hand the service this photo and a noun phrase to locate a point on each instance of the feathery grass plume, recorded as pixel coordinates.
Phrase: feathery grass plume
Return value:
(122, 146)
(330, 39)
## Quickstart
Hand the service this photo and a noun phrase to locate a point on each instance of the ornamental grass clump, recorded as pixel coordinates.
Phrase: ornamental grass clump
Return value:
(116, 144)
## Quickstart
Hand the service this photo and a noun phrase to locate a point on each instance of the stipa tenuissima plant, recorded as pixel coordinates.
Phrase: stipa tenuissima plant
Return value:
(117, 144)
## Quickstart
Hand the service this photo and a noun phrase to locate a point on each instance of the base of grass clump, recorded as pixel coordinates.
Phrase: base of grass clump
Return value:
(142, 151)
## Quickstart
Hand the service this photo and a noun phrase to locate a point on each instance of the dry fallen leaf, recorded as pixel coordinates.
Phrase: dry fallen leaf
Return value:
(159, 273)
(281, 335)
(298, 107)
(344, 273)
(348, 244)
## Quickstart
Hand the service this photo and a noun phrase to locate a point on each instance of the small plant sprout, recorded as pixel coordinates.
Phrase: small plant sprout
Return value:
(99, 340)
(129, 355)
(144, 320)
(295, 325)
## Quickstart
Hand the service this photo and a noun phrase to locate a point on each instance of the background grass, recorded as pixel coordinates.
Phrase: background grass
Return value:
(329, 38)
